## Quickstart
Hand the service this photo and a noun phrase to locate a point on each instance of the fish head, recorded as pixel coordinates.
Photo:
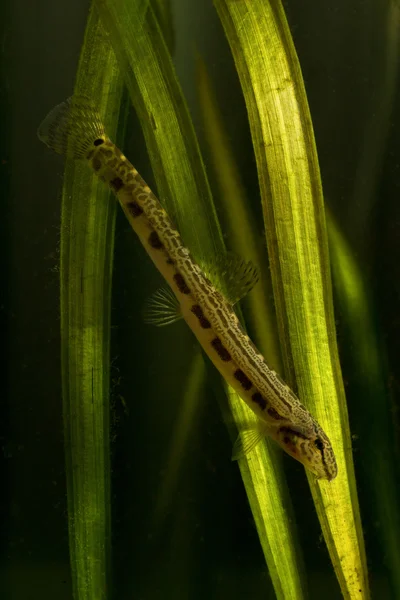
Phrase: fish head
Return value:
(313, 449)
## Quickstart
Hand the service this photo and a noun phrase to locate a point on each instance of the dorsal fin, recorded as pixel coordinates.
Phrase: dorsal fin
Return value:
(72, 127)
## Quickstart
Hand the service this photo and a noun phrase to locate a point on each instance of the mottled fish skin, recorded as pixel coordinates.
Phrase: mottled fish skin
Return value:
(210, 316)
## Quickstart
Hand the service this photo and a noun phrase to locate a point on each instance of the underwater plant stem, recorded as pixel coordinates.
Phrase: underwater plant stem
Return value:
(173, 148)
(386, 66)
(240, 222)
(262, 476)
(292, 201)
(86, 250)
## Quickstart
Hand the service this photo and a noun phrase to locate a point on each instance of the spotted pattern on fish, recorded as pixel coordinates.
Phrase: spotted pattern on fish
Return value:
(208, 313)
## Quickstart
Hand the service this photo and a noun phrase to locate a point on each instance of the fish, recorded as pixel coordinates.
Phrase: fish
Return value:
(74, 129)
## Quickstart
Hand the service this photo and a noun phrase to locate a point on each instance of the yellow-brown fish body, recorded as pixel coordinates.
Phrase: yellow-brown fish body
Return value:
(74, 128)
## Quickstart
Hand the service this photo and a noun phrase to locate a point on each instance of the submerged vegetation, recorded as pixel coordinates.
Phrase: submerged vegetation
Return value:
(129, 43)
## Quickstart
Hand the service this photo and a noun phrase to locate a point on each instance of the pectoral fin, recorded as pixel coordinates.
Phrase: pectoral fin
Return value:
(162, 308)
(233, 276)
(247, 440)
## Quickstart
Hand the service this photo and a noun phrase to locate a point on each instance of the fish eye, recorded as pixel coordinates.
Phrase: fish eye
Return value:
(98, 142)
(318, 443)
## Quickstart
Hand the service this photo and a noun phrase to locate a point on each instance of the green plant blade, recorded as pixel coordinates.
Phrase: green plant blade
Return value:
(183, 185)
(184, 427)
(370, 161)
(87, 226)
(240, 222)
(163, 14)
(262, 475)
(158, 100)
(270, 504)
(291, 191)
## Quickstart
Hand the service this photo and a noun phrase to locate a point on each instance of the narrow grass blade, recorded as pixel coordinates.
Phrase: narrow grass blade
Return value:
(271, 506)
(163, 14)
(156, 95)
(87, 228)
(372, 152)
(262, 475)
(287, 163)
(186, 423)
(239, 221)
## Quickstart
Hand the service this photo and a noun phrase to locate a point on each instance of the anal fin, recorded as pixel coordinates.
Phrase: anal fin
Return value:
(248, 439)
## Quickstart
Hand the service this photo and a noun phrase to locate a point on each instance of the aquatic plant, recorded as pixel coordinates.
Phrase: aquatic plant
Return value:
(292, 203)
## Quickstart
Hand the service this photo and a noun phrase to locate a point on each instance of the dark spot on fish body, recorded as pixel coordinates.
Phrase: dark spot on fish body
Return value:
(243, 379)
(134, 209)
(155, 241)
(198, 311)
(170, 261)
(106, 153)
(90, 154)
(293, 432)
(96, 164)
(181, 284)
(116, 184)
(130, 188)
(260, 400)
(98, 142)
(220, 349)
(274, 414)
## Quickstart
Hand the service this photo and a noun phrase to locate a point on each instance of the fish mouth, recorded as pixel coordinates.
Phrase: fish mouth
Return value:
(294, 441)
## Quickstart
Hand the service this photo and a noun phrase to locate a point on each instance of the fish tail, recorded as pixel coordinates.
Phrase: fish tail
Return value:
(72, 127)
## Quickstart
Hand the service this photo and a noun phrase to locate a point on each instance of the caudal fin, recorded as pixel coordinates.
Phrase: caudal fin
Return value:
(72, 128)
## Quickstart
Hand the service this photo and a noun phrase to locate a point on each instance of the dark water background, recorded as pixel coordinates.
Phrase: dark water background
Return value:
(207, 546)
